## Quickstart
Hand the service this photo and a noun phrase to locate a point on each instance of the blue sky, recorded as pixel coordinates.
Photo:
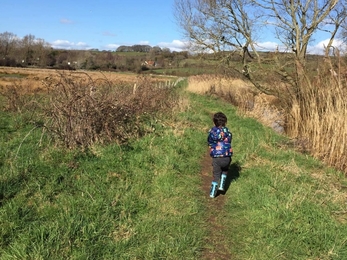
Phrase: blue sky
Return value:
(102, 24)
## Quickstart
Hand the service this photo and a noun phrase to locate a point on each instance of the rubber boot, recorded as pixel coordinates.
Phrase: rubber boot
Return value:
(223, 179)
(213, 191)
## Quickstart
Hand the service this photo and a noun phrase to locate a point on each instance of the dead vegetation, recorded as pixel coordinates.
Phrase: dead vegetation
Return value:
(36, 78)
(250, 101)
(314, 117)
(82, 111)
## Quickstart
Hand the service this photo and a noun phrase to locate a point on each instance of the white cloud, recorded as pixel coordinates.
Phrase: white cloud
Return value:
(320, 46)
(64, 44)
(268, 46)
(111, 46)
(175, 45)
(312, 49)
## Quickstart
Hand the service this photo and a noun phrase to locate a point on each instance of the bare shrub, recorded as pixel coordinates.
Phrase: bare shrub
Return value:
(85, 111)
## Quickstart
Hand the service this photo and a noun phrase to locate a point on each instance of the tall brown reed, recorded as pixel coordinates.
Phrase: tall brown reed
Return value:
(318, 118)
(249, 101)
(236, 91)
(315, 117)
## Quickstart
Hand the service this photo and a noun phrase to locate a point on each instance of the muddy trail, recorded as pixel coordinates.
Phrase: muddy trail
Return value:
(216, 246)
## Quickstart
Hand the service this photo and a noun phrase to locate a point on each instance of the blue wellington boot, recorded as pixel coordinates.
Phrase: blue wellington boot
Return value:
(222, 182)
(213, 191)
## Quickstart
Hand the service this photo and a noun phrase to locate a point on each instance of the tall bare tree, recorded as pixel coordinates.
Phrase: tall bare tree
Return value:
(297, 21)
(27, 45)
(41, 49)
(218, 25)
(232, 25)
(7, 43)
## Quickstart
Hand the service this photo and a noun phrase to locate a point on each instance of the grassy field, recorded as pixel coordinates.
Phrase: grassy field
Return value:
(144, 200)
(37, 78)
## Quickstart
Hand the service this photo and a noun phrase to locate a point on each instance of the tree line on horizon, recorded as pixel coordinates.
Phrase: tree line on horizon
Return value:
(31, 51)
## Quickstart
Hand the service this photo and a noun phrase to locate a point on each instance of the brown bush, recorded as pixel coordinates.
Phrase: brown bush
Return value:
(84, 112)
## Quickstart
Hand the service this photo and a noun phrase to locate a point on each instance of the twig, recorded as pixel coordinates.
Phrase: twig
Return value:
(24, 140)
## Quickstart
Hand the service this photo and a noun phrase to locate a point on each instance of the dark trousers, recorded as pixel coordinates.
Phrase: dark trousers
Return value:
(220, 165)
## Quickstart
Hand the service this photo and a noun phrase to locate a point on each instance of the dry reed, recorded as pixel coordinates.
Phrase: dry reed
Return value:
(318, 119)
(315, 118)
(241, 94)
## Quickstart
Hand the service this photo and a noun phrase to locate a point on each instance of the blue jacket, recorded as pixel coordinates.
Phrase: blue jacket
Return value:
(219, 140)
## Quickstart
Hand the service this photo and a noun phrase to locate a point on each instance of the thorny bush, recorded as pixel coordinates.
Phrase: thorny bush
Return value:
(84, 112)
(79, 112)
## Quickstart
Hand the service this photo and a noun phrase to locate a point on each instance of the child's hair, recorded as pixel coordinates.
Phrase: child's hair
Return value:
(219, 119)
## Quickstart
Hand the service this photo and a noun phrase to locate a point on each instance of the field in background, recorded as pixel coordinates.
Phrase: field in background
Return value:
(36, 78)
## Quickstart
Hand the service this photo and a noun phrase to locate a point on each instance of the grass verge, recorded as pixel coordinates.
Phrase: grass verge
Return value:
(143, 200)
(116, 202)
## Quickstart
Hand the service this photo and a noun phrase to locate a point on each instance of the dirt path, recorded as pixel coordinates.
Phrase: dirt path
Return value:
(216, 247)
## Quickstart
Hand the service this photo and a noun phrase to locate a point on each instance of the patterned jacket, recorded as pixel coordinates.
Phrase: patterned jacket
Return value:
(219, 140)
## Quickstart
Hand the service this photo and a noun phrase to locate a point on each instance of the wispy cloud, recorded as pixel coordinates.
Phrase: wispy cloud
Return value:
(66, 21)
(312, 49)
(144, 43)
(64, 44)
(269, 46)
(175, 45)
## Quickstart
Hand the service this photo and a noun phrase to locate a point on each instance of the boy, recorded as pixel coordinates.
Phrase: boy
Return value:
(219, 141)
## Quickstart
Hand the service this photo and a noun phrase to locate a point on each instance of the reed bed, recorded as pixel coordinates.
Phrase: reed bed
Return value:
(318, 119)
(315, 118)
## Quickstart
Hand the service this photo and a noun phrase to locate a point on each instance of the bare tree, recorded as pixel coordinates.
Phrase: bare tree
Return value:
(337, 21)
(218, 25)
(7, 43)
(41, 49)
(232, 25)
(225, 28)
(297, 21)
(27, 45)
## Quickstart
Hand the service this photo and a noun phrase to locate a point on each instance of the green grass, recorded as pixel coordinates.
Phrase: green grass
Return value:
(12, 75)
(109, 203)
(144, 200)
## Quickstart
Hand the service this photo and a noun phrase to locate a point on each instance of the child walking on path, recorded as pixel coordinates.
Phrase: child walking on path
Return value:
(220, 143)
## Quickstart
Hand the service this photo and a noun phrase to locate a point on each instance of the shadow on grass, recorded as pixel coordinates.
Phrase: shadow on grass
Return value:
(233, 175)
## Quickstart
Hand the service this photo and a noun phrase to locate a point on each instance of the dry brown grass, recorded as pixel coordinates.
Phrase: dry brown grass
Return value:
(37, 78)
(240, 93)
(316, 117)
